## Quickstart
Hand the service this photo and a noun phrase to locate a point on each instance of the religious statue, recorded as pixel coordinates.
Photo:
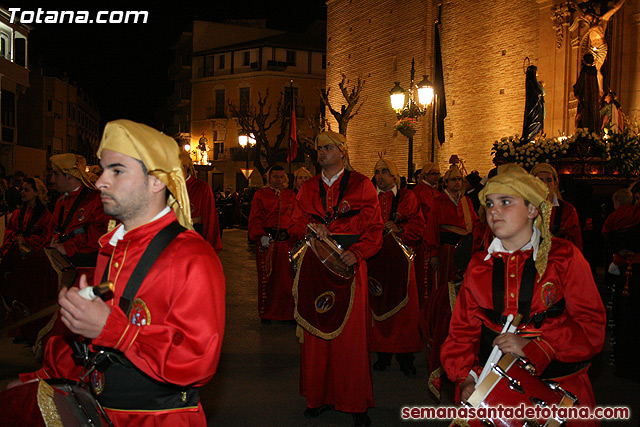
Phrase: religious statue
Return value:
(594, 38)
(534, 112)
(612, 117)
(586, 91)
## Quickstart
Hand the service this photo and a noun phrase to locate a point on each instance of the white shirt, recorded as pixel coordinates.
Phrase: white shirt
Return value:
(331, 181)
(394, 189)
(497, 246)
(120, 231)
(455, 202)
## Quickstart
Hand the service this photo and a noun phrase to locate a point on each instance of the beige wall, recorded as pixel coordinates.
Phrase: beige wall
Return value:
(484, 44)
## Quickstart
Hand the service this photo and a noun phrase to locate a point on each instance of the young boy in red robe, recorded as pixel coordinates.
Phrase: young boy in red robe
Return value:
(545, 279)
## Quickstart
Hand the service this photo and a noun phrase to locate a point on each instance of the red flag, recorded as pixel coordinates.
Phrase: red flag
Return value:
(293, 134)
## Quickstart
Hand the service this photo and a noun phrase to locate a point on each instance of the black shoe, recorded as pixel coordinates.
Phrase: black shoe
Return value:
(408, 370)
(361, 419)
(316, 412)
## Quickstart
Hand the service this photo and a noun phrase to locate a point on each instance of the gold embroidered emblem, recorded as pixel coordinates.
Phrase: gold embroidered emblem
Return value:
(140, 314)
(549, 294)
(81, 215)
(325, 301)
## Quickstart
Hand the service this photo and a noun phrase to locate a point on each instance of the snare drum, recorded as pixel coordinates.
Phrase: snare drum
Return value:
(52, 402)
(511, 383)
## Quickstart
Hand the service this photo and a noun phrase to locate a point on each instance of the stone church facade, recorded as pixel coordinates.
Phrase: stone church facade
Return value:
(484, 46)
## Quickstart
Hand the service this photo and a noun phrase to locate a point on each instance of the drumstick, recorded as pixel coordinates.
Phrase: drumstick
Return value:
(92, 292)
(509, 327)
(495, 352)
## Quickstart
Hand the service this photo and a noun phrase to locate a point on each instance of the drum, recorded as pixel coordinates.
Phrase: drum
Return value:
(30, 283)
(52, 402)
(328, 251)
(511, 383)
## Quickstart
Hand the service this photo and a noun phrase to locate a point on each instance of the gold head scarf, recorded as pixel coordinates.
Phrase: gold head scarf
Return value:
(339, 140)
(40, 189)
(430, 167)
(302, 172)
(511, 167)
(390, 166)
(160, 155)
(546, 167)
(74, 165)
(186, 160)
(453, 172)
(531, 189)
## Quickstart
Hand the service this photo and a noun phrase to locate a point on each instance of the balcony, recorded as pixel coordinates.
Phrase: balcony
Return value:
(179, 99)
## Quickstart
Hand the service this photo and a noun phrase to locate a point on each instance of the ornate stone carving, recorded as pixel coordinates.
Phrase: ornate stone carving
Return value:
(561, 17)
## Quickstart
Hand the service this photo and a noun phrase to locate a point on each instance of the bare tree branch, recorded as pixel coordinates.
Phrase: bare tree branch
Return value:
(347, 112)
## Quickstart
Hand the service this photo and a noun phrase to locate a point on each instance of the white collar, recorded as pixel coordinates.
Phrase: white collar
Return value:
(394, 190)
(534, 243)
(331, 181)
(120, 231)
(432, 186)
(73, 191)
(555, 201)
(455, 202)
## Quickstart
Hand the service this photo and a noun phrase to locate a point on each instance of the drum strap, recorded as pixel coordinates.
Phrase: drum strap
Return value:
(156, 247)
(62, 226)
(332, 215)
(555, 227)
(526, 288)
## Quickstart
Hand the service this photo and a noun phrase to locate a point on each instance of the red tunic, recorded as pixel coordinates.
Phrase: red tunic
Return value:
(178, 342)
(569, 224)
(270, 212)
(338, 371)
(88, 223)
(624, 217)
(426, 195)
(39, 235)
(399, 333)
(203, 211)
(577, 334)
(446, 213)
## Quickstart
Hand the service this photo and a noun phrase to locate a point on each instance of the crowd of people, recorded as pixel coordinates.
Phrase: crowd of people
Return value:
(363, 264)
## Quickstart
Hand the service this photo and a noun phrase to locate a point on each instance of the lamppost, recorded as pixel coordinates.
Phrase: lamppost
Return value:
(246, 142)
(406, 105)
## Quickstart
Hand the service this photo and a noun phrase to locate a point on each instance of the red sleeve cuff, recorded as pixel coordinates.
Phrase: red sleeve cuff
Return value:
(118, 333)
(540, 353)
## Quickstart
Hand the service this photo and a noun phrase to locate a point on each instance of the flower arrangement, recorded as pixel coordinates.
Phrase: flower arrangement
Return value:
(621, 150)
(406, 123)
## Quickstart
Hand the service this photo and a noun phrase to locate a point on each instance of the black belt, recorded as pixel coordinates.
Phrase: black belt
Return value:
(123, 386)
(450, 238)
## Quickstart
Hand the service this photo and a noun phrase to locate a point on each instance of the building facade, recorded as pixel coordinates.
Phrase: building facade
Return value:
(14, 80)
(58, 117)
(238, 63)
(484, 46)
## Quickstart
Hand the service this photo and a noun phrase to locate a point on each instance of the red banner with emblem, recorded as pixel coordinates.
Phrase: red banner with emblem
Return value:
(323, 299)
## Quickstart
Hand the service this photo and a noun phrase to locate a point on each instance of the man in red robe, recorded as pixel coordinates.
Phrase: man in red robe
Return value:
(335, 373)
(426, 191)
(270, 218)
(453, 218)
(526, 271)
(564, 217)
(395, 315)
(204, 215)
(162, 344)
(80, 218)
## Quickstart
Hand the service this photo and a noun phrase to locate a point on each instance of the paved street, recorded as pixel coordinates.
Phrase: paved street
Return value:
(257, 380)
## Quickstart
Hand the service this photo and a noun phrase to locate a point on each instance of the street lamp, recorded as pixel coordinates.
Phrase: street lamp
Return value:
(246, 142)
(407, 105)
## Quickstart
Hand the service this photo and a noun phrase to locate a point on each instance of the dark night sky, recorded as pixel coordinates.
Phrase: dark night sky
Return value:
(124, 66)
